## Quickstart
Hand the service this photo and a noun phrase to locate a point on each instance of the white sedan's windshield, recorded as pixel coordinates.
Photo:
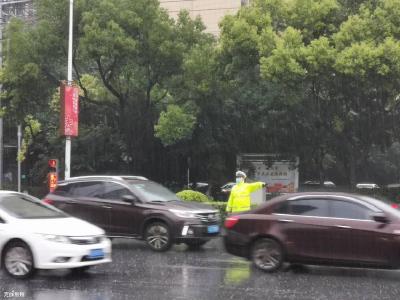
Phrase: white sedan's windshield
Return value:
(25, 207)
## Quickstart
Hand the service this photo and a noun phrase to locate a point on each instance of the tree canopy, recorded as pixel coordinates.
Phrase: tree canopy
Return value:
(318, 79)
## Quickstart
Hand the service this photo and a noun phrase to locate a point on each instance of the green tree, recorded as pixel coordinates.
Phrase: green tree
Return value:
(328, 75)
(174, 125)
(127, 58)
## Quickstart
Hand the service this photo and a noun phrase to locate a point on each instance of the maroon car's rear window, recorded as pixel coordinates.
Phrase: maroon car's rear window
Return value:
(348, 210)
(304, 207)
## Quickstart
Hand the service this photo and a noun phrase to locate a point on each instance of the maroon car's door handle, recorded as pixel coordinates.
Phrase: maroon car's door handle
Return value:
(343, 226)
(106, 206)
(285, 221)
(72, 201)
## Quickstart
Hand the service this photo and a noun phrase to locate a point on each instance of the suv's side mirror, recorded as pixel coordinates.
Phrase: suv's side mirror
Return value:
(129, 199)
(380, 217)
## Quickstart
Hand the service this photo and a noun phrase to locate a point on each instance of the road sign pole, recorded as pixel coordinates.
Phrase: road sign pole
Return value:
(69, 78)
(1, 118)
(19, 135)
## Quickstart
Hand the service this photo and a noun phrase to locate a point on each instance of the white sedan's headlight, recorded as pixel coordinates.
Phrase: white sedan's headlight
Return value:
(56, 238)
(183, 213)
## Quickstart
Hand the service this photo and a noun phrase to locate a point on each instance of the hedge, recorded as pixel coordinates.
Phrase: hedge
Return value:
(189, 195)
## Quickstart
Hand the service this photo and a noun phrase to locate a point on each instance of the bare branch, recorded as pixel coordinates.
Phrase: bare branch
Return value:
(107, 84)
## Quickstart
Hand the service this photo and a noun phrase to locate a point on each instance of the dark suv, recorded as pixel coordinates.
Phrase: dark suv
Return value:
(134, 207)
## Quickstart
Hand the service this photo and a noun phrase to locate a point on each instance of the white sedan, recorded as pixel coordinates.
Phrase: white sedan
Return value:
(34, 235)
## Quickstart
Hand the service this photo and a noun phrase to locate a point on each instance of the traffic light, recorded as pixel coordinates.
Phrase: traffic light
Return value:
(53, 164)
(52, 176)
(52, 181)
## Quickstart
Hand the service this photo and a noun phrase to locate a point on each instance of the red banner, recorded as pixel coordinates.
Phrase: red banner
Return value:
(69, 99)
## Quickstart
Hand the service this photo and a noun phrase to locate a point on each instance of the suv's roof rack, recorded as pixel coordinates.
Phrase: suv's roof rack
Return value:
(119, 177)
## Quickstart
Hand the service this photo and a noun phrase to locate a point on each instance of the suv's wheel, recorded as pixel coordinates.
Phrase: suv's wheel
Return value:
(267, 254)
(195, 244)
(18, 260)
(158, 236)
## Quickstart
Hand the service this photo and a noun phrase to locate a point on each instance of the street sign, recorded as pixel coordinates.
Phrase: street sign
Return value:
(69, 99)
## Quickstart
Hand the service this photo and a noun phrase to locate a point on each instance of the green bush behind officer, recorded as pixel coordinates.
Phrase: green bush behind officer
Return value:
(239, 199)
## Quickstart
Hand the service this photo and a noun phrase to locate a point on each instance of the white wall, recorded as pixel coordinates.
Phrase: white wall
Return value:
(211, 11)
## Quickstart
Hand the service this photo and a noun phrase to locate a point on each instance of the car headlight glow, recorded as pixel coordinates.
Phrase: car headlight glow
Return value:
(56, 238)
(183, 213)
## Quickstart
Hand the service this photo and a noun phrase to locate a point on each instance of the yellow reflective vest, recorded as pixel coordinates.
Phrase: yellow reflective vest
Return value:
(239, 199)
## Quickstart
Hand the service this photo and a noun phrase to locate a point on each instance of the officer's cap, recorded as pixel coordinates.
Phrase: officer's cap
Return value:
(241, 174)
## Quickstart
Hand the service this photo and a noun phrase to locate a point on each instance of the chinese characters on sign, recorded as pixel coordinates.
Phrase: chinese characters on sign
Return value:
(69, 99)
(275, 171)
(279, 177)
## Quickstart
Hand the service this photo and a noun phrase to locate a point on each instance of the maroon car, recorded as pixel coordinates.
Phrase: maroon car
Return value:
(317, 228)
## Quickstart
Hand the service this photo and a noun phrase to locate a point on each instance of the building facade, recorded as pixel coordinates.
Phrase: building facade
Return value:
(210, 11)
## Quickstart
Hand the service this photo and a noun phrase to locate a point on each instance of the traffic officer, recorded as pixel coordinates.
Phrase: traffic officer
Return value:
(239, 199)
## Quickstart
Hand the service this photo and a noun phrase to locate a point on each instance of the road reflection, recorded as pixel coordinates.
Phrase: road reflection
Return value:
(237, 273)
(70, 295)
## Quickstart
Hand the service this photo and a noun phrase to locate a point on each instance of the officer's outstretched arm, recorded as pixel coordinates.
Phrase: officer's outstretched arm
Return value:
(255, 186)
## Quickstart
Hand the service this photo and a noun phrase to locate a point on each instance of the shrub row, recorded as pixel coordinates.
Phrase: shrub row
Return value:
(189, 195)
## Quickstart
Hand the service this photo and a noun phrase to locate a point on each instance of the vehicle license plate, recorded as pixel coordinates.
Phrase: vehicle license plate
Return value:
(213, 229)
(96, 253)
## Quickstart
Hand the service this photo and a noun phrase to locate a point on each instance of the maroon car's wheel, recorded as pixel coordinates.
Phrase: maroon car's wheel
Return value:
(267, 254)
(158, 236)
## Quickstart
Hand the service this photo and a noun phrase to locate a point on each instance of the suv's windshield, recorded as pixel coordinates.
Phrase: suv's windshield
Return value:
(151, 191)
(25, 207)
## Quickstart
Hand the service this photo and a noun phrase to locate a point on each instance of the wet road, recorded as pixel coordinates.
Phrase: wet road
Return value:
(139, 273)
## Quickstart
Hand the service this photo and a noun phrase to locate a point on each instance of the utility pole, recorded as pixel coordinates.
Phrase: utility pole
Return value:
(188, 160)
(1, 89)
(5, 14)
(69, 79)
(19, 136)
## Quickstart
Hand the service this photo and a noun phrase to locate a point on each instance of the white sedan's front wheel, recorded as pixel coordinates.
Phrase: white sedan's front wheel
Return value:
(18, 260)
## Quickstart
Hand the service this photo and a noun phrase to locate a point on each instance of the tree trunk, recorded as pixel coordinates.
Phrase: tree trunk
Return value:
(352, 165)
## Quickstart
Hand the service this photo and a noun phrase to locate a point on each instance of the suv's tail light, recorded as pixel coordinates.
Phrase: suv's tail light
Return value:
(395, 205)
(48, 201)
(230, 222)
